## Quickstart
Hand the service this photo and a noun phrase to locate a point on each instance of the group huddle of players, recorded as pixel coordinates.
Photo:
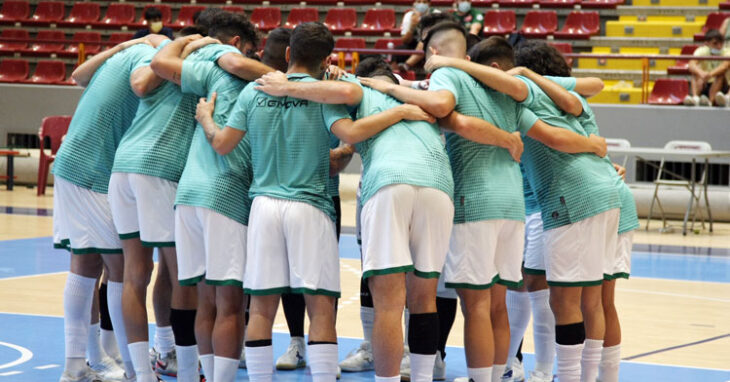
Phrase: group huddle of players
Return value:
(227, 166)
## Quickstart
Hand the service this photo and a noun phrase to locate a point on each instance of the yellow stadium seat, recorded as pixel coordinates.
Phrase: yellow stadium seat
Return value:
(677, 3)
(657, 18)
(619, 92)
(626, 64)
(653, 28)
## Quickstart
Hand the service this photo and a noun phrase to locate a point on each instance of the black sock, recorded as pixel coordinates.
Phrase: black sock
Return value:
(257, 343)
(571, 334)
(446, 308)
(366, 299)
(294, 312)
(183, 326)
(423, 333)
(519, 350)
(105, 321)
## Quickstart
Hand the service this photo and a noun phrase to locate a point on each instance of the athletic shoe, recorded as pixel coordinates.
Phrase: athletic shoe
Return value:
(128, 379)
(691, 100)
(242, 360)
(439, 368)
(87, 375)
(704, 101)
(360, 359)
(108, 369)
(461, 379)
(721, 99)
(405, 364)
(516, 373)
(167, 364)
(153, 357)
(295, 356)
(539, 376)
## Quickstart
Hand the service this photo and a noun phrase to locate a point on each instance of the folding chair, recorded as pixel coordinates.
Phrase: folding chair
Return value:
(619, 143)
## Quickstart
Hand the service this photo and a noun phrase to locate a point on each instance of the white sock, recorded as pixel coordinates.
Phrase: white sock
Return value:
(207, 361)
(109, 343)
(225, 369)
(610, 362)
(323, 362)
(367, 317)
(164, 339)
(569, 362)
(422, 367)
(590, 359)
(114, 300)
(140, 353)
(481, 374)
(543, 326)
(94, 351)
(518, 310)
(77, 298)
(260, 363)
(387, 379)
(406, 319)
(497, 372)
(187, 363)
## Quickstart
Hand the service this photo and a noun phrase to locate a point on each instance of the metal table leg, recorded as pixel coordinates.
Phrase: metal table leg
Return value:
(692, 183)
(10, 172)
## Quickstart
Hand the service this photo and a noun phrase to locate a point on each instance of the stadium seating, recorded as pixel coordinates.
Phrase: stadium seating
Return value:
(48, 73)
(622, 64)
(382, 43)
(682, 66)
(580, 25)
(301, 15)
(654, 26)
(185, 16)
(47, 12)
(377, 21)
(499, 22)
(725, 5)
(45, 48)
(341, 20)
(234, 9)
(117, 15)
(517, 3)
(14, 11)
(714, 21)
(117, 38)
(348, 42)
(601, 4)
(53, 128)
(539, 24)
(72, 49)
(266, 18)
(12, 70)
(164, 9)
(82, 13)
(669, 91)
(564, 47)
(558, 3)
(7, 48)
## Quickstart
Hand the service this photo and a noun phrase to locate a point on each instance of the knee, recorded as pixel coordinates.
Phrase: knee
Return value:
(591, 304)
(229, 302)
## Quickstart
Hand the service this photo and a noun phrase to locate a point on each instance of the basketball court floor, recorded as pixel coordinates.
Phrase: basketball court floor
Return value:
(675, 309)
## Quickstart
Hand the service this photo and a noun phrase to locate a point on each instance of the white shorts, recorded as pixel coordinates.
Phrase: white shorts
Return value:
(406, 228)
(619, 266)
(292, 247)
(209, 246)
(82, 220)
(575, 253)
(143, 206)
(534, 251)
(484, 252)
(443, 292)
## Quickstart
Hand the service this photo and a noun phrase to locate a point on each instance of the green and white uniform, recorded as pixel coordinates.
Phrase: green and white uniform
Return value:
(292, 245)
(82, 218)
(534, 255)
(488, 236)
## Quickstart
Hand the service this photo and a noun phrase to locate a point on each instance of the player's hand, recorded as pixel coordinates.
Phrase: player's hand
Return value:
(516, 146)
(334, 72)
(379, 85)
(192, 46)
(141, 40)
(621, 170)
(415, 113)
(435, 61)
(204, 111)
(517, 71)
(601, 149)
(274, 83)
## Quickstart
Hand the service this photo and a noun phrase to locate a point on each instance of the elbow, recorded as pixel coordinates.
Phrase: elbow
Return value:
(440, 108)
(157, 65)
(353, 95)
(221, 149)
(80, 80)
(520, 91)
(350, 138)
(139, 88)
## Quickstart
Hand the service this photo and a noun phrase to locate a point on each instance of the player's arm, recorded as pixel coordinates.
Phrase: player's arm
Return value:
(491, 77)
(438, 103)
(329, 92)
(567, 141)
(340, 158)
(621, 170)
(83, 74)
(168, 62)
(567, 102)
(144, 80)
(588, 86)
(481, 131)
(353, 132)
(223, 140)
(243, 67)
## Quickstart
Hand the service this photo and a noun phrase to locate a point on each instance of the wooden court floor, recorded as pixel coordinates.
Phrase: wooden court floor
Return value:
(675, 311)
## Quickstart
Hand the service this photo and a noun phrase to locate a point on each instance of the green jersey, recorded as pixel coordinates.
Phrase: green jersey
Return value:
(568, 187)
(209, 180)
(469, 18)
(408, 152)
(487, 181)
(333, 184)
(531, 205)
(103, 115)
(289, 144)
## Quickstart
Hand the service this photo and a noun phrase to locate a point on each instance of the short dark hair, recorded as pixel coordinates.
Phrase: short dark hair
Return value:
(310, 43)
(432, 19)
(542, 59)
(206, 19)
(714, 35)
(227, 25)
(471, 40)
(442, 27)
(152, 13)
(370, 64)
(493, 49)
(275, 48)
(190, 30)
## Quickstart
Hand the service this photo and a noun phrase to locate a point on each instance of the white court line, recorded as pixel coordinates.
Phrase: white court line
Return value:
(9, 373)
(673, 294)
(44, 367)
(33, 275)
(25, 355)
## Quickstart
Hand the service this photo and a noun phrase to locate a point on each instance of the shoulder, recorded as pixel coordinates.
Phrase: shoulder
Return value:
(704, 50)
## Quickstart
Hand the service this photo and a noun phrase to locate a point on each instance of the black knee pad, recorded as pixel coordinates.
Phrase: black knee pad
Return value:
(183, 326)
(366, 299)
(257, 343)
(571, 334)
(423, 333)
(105, 320)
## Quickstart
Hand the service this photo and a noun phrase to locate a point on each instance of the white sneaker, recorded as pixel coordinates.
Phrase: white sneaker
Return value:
(538, 376)
(87, 375)
(405, 364)
(242, 360)
(515, 373)
(108, 369)
(439, 368)
(704, 101)
(360, 359)
(166, 364)
(295, 356)
(721, 99)
(153, 357)
(691, 100)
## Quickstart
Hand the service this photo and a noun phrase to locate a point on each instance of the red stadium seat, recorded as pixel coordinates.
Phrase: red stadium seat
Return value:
(86, 38)
(118, 38)
(234, 9)
(301, 15)
(47, 12)
(117, 15)
(53, 128)
(539, 24)
(359, 2)
(185, 16)
(564, 47)
(348, 42)
(407, 75)
(669, 91)
(601, 4)
(82, 13)
(201, 1)
(14, 70)
(48, 73)
(517, 3)
(382, 43)
(341, 20)
(558, 3)
(377, 21)
(8, 48)
(266, 18)
(580, 25)
(681, 67)
(45, 48)
(725, 5)
(499, 22)
(164, 9)
(714, 21)
(14, 11)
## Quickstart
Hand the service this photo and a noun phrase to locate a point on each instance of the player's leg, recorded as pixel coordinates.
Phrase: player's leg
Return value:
(228, 331)
(204, 324)
(500, 329)
(389, 296)
(361, 359)
(94, 351)
(322, 343)
(569, 331)
(446, 302)
(518, 312)
(115, 265)
(164, 341)
(106, 327)
(478, 335)
(295, 355)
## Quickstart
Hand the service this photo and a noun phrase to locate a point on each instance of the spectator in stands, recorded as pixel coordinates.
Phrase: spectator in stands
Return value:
(725, 31)
(411, 20)
(424, 25)
(709, 77)
(153, 16)
(471, 19)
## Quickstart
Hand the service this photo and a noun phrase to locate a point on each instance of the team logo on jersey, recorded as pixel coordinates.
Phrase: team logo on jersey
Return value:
(286, 104)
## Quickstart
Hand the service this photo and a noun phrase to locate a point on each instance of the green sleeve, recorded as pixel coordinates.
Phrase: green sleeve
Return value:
(567, 83)
(530, 92)
(196, 77)
(334, 113)
(239, 114)
(445, 79)
(525, 119)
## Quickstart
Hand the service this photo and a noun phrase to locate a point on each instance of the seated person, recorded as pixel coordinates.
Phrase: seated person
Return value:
(709, 77)
(153, 16)
(471, 19)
